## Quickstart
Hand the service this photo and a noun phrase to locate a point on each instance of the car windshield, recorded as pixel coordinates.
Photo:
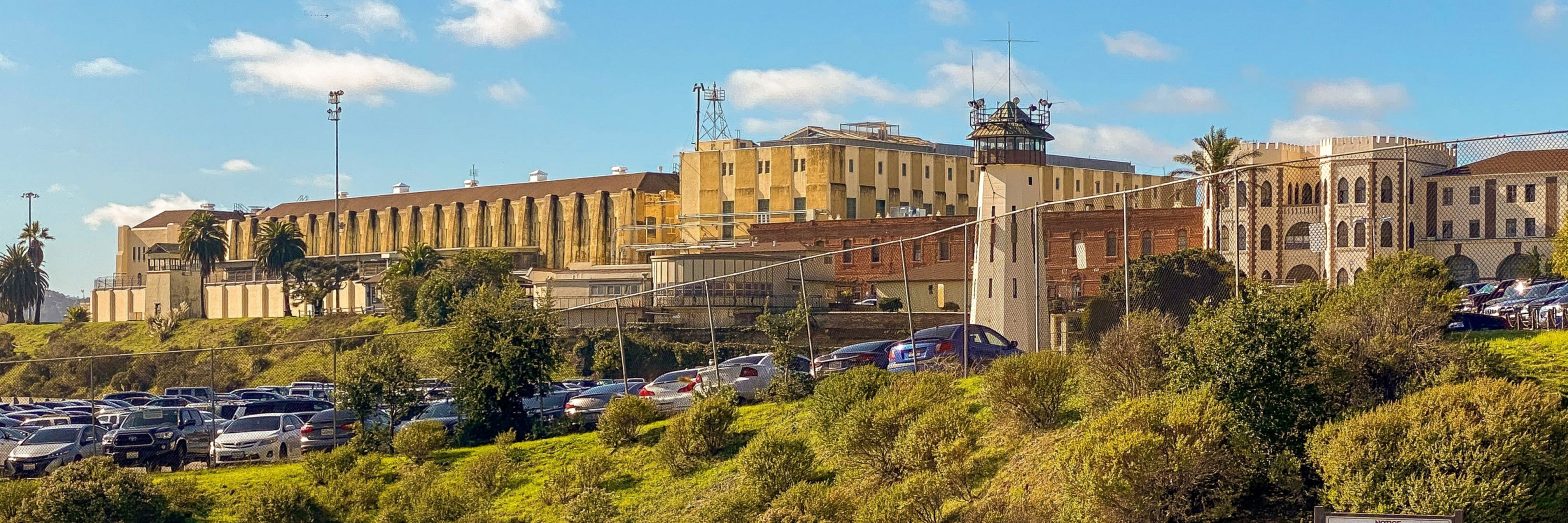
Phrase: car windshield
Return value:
(614, 388)
(148, 418)
(1537, 291)
(439, 410)
(256, 424)
(670, 377)
(943, 332)
(326, 416)
(53, 435)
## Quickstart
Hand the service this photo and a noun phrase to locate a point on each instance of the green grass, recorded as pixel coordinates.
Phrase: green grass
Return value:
(1542, 355)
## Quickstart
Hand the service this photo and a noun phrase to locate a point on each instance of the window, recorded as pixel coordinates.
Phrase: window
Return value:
(1510, 228)
(1342, 235)
(1529, 192)
(1448, 230)
(881, 209)
(1058, 184)
(851, 165)
(879, 167)
(1385, 192)
(1448, 196)
(1145, 242)
(1343, 192)
(766, 168)
(944, 249)
(1529, 226)
(1110, 244)
(1475, 228)
(800, 208)
(1015, 287)
(1241, 194)
(849, 208)
(1078, 185)
(848, 255)
(903, 169)
(1266, 239)
(1361, 190)
(1224, 237)
(762, 210)
(1181, 239)
(928, 172)
(1268, 195)
(1241, 237)
(1385, 234)
(951, 210)
(1096, 187)
(1475, 196)
(950, 174)
(1031, 180)
(1511, 193)
(917, 251)
(727, 229)
(1361, 234)
(876, 252)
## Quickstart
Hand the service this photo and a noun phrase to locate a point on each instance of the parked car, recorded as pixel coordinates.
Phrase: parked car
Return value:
(167, 401)
(9, 439)
(200, 393)
(261, 437)
(52, 447)
(155, 437)
(671, 391)
(48, 421)
(866, 302)
(851, 356)
(944, 347)
(329, 428)
(749, 375)
(550, 404)
(590, 403)
(442, 411)
(258, 395)
(1511, 298)
(283, 406)
(128, 395)
(1472, 321)
(8, 422)
(1492, 290)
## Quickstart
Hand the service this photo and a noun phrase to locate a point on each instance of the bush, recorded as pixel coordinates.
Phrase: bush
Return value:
(733, 505)
(400, 293)
(890, 304)
(1161, 457)
(787, 386)
(420, 439)
(864, 438)
(623, 418)
(186, 499)
(583, 472)
(773, 462)
(353, 494)
(76, 314)
(488, 471)
(12, 494)
(916, 498)
(421, 495)
(837, 393)
(325, 467)
(810, 503)
(940, 439)
(700, 432)
(281, 503)
(1030, 390)
(593, 505)
(1490, 447)
(1129, 359)
(505, 439)
(436, 300)
(91, 491)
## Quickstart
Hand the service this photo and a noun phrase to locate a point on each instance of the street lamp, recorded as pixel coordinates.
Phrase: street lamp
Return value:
(335, 114)
(30, 196)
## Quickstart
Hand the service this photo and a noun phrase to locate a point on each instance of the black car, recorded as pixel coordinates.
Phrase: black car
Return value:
(130, 396)
(155, 437)
(850, 356)
(284, 406)
(1473, 321)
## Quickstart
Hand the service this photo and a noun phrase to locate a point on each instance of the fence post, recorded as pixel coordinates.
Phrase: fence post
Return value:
(620, 341)
(1126, 258)
(1235, 247)
(1034, 254)
(968, 305)
(90, 380)
(713, 334)
(811, 349)
(909, 300)
(212, 399)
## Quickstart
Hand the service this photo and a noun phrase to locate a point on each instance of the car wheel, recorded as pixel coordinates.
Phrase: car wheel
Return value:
(177, 458)
(283, 451)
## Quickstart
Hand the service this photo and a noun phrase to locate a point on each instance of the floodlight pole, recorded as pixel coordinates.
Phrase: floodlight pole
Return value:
(335, 114)
(30, 196)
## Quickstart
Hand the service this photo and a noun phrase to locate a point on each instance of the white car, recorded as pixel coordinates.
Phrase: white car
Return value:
(261, 437)
(671, 392)
(749, 375)
(9, 439)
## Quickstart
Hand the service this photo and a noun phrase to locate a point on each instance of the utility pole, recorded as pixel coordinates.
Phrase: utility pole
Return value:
(335, 114)
(30, 196)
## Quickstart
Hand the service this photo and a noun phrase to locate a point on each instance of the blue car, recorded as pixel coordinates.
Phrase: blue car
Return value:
(943, 347)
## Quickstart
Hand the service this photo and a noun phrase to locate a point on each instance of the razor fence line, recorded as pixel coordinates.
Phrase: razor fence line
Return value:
(1211, 198)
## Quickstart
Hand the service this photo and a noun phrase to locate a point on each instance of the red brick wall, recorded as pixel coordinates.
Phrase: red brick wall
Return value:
(1058, 265)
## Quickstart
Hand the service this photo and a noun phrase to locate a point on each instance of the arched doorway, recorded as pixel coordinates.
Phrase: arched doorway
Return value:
(1342, 277)
(1516, 266)
(1462, 269)
(1301, 273)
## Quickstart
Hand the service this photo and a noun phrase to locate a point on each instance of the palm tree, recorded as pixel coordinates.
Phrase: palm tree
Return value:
(22, 283)
(34, 235)
(1217, 152)
(277, 244)
(415, 260)
(203, 240)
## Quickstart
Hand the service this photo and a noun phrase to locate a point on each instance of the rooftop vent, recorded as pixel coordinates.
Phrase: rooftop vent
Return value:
(538, 176)
(400, 188)
(618, 170)
(209, 207)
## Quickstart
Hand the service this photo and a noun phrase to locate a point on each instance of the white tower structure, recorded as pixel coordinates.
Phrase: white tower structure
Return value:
(1009, 148)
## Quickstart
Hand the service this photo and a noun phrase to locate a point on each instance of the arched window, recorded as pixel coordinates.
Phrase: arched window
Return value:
(1342, 235)
(1181, 239)
(1361, 190)
(1515, 266)
(1301, 273)
(1344, 191)
(1385, 192)
(1241, 194)
(1224, 237)
(1146, 242)
(1077, 286)
(1342, 277)
(1267, 193)
(1267, 277)
(1361, 234)
(1241, 237)
(1266, 239)
(1298, 237)
(1385, 234)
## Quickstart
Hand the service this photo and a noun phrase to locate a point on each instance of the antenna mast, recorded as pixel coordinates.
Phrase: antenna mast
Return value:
(1010, 41)
(710, 126)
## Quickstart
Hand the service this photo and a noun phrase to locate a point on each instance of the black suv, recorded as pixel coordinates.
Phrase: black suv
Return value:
(158, 437)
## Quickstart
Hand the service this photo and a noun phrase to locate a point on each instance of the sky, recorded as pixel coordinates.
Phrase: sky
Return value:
(113, 111)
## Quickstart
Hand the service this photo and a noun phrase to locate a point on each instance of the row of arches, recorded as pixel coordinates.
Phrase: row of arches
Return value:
(1346, 192)
(1462, 269)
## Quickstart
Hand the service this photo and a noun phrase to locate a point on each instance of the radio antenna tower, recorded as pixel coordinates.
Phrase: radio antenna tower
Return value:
(712, 125)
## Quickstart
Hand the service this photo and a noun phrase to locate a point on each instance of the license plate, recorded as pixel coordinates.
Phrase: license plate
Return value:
(132, 455)
(328, 432)
(29, 466)
(232, 455)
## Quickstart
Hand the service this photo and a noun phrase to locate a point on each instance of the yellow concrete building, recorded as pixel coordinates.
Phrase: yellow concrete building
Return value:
(545, 223)
(861, 170)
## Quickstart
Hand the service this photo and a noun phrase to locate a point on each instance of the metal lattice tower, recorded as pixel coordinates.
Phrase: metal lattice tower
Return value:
(711, 124)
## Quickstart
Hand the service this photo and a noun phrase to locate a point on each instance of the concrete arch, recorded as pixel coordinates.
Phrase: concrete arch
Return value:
(1301, 272)
(1462, 269)
(1516, 265)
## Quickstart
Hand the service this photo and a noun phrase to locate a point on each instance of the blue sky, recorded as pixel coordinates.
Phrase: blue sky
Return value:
(114, 110)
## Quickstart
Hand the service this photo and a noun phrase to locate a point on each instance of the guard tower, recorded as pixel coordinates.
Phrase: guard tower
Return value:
(1009, 148)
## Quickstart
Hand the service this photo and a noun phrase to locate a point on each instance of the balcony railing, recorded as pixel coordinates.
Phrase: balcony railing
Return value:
(119, 281)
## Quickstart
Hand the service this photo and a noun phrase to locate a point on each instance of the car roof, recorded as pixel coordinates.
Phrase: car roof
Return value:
(864, 346)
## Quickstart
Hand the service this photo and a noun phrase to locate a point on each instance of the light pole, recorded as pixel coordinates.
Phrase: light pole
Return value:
(335, 114)
(30, 196)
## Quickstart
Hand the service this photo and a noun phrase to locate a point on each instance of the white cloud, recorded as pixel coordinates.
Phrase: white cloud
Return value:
(953, 79)
(1137, 45)
(373, 16)
(322, 181)
(1546, 12)
(104, 67)
(1353, 94)
(782, 126)
(118, 214)
(1311, 129)
(1111, 142)
(502, 23)
(508, 92)
(260, 65)
(1178, 99)
(6, 64)
(947, 11)
(56, 188)
(237, 165)
(817, 86)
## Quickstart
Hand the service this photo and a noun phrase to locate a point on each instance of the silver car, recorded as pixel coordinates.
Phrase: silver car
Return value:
(52, 447)
(671, 392)
(9, 439)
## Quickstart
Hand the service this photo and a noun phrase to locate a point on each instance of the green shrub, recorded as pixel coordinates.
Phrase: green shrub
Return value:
(917, 498)
(12, 494)
(700, 432)
(1030, 390)
(623, 418)
(76, 314)
(808, 502)
(890, 304)
(186, 499)
(940, 439)
(1161, 457)
(1129, 359)
(863, 439)
(592, 505)
(282, 503)
(1488, 446)
(436, 300)
(773, 462)
(420, 439)
(583, 472)
(505, 438)
(353, 494)
(421, 495)
(488, 471)
(400, 293)
(90, 491)
(837, 393)
(325, 467)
